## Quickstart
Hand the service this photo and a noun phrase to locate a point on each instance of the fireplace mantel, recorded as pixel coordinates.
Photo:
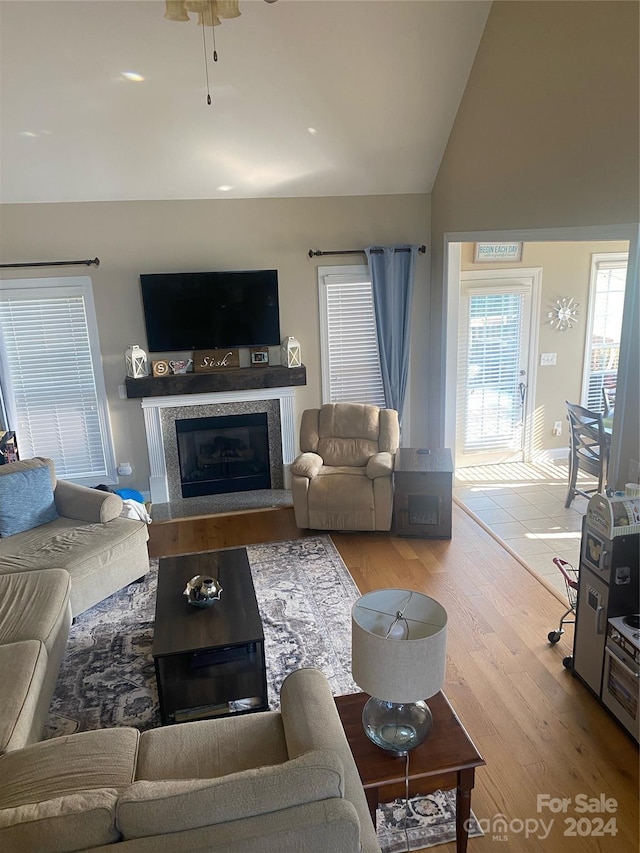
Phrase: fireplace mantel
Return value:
(234, 379)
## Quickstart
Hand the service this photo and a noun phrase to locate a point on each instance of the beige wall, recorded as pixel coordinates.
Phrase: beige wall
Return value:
(137, 237)
(566, 271)
(547, 136)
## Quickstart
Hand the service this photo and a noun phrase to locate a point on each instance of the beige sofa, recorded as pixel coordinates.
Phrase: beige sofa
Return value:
(343, 477)
(101, 551)
(261, 783)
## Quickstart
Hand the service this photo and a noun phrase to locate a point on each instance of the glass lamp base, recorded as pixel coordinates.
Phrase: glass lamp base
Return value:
(396, 727)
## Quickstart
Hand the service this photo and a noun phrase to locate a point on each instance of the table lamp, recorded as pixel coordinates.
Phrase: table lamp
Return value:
(398, 657)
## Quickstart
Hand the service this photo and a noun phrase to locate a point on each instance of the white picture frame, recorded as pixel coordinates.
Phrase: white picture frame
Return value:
(484, 253)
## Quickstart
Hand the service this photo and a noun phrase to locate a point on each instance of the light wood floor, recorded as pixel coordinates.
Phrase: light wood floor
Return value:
(537, 727)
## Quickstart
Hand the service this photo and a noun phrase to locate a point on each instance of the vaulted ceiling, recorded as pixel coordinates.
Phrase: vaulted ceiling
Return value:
(309, 98)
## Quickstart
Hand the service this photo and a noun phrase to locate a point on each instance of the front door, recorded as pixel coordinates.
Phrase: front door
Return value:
(493, 369)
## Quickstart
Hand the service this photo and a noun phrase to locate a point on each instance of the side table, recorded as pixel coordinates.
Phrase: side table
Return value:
(447, 759)
(423, 484)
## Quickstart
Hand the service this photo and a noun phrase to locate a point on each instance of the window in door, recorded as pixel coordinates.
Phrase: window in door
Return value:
(51, 376)
(348, 339)
(604, 325)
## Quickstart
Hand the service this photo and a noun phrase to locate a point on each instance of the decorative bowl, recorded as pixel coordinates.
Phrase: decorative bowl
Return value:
(203, 591)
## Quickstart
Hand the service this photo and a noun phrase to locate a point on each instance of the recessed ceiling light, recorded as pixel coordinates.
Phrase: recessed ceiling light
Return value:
(225, 188)
(30, 133)
(133, 76)
(312, 131)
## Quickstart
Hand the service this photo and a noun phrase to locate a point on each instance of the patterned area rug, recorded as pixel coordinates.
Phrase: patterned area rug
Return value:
(304, 592)
(424, 822)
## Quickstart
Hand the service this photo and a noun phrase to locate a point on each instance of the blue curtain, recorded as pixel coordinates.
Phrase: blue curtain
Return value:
(392, 273)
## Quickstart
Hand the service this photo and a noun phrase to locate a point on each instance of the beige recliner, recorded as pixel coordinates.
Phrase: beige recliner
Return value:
(343, 478)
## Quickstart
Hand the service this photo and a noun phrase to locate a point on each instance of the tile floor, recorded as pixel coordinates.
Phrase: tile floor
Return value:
(523, 505)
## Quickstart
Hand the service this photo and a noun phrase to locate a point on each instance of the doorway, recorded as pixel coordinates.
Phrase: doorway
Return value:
(496, 365)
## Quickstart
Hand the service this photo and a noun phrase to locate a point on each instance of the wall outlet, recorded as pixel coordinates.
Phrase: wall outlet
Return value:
(125, 469)
(548, 358)
(557, 427)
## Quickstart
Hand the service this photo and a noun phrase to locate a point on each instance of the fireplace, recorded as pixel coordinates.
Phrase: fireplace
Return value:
(223, 454)
(162, 413)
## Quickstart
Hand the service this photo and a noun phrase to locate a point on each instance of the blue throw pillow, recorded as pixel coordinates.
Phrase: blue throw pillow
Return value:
(26, 500)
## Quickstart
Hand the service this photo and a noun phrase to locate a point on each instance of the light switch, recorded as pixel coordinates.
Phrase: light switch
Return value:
(547, 358)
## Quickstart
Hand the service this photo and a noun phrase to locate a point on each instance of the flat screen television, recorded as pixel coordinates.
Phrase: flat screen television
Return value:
(210, 310)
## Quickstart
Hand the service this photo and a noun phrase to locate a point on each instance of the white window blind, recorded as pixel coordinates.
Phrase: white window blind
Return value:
(491, 361)
(349, 343)
(50, 368)
(608, 281)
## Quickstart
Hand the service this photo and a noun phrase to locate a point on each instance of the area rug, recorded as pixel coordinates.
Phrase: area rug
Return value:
(424, 822)
(304, 592)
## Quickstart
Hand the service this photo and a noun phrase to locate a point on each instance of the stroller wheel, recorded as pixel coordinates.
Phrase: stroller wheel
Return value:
(554, 636)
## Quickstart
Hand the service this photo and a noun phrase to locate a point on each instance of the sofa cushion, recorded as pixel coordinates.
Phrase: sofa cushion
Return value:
(26, 500)
(23, 667)
(61, 825)
(60, 767)
(33, 605)
(80, 548)
(154, 808)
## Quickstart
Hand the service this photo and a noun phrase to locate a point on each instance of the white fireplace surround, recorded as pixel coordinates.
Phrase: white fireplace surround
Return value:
(159, 479)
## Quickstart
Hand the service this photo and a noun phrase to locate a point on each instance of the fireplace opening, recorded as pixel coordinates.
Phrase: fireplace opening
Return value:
(218, 455)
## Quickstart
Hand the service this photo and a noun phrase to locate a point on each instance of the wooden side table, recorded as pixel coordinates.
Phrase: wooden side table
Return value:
(447, 759)
(423, 484)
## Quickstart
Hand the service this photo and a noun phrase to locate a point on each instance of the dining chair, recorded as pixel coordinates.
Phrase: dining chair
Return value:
(609, 400)
(588, 449)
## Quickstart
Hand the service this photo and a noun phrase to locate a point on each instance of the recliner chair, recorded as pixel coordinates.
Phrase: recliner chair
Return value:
(343, 478)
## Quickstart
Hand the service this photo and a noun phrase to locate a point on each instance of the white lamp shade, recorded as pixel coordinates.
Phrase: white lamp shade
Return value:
(392, 669)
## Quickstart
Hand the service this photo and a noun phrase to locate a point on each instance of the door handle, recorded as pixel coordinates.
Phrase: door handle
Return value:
(523, 392)
(600, 612)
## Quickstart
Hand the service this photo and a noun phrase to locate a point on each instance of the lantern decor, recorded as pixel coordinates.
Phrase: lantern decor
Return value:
(136, 362)
(290, 353)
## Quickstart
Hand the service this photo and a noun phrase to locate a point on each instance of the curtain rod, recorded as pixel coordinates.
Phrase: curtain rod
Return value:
(316, 253)
(86, 263)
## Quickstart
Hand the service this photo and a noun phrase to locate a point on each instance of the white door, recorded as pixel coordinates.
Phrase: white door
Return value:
(495, 368)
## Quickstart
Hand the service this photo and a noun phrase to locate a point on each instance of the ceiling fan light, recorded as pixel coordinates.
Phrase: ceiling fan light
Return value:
(176, 10)
(208, 17)
(228, 9)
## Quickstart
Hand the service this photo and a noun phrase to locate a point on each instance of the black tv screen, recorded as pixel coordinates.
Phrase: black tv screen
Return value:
(211, 310)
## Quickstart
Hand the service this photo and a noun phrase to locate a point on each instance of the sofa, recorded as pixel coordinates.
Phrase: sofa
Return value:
(259, 783)
(343, 477)
(47, 523)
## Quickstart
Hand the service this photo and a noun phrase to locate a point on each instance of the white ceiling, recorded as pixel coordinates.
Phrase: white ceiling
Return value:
(380, 81)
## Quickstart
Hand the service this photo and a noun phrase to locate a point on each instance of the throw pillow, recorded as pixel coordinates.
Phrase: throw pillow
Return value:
(26, 500)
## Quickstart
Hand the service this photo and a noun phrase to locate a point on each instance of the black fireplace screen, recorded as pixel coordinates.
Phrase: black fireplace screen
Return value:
(223, 454)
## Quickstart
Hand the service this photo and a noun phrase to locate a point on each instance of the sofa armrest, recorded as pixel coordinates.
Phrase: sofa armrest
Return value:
(307, 465)
(84, 504)
(380, 465)
(311, 721)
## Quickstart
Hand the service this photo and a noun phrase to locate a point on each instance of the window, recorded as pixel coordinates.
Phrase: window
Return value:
(348, 338)
(52, 385)
(604, 324)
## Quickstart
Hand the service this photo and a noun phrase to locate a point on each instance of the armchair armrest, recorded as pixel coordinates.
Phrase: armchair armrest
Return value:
(85, 504)
(307, 465)
(380, 465)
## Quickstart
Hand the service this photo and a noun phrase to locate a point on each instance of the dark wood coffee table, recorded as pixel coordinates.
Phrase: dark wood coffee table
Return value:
(209, 661)
(447, 759)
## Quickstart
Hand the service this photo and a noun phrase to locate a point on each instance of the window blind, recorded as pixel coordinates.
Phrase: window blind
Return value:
(352, 355)
(491, 359)
(49, 375)
(604, 351)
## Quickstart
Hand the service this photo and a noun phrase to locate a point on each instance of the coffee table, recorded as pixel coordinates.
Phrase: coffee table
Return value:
(209, 661)
(446, 759)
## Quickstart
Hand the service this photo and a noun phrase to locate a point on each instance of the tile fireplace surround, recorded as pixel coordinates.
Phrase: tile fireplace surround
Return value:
(161, 413)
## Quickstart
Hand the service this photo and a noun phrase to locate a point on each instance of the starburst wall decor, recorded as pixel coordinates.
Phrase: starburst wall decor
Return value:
(565, 314)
